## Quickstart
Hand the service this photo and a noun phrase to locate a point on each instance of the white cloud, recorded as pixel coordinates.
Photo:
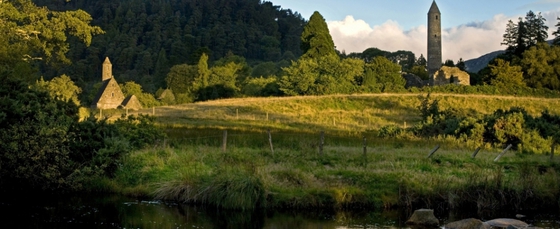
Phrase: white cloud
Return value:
(465, 41)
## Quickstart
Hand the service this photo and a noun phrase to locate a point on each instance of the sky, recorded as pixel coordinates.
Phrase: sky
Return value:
(470, 28)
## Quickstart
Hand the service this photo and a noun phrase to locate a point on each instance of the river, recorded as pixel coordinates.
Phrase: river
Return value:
(121, 212)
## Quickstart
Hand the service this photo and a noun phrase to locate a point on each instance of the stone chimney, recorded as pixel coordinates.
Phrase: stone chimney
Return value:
(107, 71)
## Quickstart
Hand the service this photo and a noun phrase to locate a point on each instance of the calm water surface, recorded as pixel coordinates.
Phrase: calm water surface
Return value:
(121, 212)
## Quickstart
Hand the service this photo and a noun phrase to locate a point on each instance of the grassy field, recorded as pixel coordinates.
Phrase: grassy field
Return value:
(191, 166)
(346, 113)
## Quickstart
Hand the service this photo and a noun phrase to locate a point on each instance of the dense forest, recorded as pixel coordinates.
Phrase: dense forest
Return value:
(144, 39)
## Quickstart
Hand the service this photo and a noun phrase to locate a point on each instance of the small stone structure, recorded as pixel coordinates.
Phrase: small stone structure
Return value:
(110, 95)
(131, 102)
(450, 75)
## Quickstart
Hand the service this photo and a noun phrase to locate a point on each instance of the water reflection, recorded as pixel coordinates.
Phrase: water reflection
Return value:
(119, 212)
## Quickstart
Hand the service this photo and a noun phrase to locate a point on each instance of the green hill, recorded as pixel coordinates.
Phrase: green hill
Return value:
(347, 113)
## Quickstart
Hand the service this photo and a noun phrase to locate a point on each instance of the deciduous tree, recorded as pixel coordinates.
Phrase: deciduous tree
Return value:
(502, 74)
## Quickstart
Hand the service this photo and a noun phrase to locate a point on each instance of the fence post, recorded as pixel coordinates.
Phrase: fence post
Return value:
(266, 116)
(321, 143)
(365, 151)
(433, 151)
(552, 147)
(476, 152)
(100, 113)
(503, 152)
(224, 141)
(270, 141)
(236, 113)
(153, 111)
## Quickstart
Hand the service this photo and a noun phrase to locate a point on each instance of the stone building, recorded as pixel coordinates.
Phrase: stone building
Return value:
(451, 75)
(434, 41)
(110, 95)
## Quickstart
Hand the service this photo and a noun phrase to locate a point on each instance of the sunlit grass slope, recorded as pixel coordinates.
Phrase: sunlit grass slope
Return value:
(346, 113)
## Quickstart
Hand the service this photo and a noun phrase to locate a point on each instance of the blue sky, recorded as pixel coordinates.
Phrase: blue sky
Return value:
(359, 24)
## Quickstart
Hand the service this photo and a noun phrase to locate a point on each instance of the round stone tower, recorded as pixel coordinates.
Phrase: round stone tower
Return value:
(434, 41)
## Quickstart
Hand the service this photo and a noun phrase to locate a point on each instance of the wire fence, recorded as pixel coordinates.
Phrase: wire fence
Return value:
(317, 140)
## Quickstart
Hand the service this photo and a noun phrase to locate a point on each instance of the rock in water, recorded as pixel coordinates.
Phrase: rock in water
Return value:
(423, 217)
(504, 223)
(471, 223)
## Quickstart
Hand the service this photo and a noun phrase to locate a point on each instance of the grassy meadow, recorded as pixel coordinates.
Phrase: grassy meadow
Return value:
(191, 166)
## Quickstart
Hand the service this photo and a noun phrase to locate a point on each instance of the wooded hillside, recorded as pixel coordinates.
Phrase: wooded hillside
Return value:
(145, 38)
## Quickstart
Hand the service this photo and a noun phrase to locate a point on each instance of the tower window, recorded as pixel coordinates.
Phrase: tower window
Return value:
(437, 17)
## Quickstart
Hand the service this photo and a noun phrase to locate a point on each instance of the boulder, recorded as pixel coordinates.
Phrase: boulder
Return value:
(507, 223)
(423, 217)
(471, 223)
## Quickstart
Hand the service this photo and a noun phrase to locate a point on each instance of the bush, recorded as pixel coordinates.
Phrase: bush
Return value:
(34, 138)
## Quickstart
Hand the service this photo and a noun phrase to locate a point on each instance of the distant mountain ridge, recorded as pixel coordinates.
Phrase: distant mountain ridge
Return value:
(477, 64)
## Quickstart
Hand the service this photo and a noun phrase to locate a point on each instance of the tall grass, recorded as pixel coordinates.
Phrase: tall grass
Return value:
(296, 176)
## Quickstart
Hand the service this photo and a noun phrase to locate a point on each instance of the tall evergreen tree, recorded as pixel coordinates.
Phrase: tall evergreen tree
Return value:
(556, 33)
(525, 34)
(510, 36)
(521, 44)
(537, 31)
(316, 41)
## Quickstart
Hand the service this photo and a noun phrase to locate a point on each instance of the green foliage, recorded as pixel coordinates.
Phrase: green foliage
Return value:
(61, 88)
(321, 76)
(178, 32)
(541, 65)
(382, 75)
(316, 40)
(46, 148)
(180, 79)
(420, 71)
(502, 75)
(261, 86)
(34, 137)
(34, 33)
(513, 126)
(266, 69)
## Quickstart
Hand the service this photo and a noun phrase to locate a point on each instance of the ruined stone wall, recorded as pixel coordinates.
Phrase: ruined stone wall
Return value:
(451, 75)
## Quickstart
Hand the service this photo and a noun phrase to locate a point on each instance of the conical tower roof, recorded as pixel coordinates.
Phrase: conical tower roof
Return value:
(434, 8)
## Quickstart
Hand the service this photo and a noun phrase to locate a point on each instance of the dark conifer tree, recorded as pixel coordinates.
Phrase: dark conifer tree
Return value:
(316, 40)
(556, 33)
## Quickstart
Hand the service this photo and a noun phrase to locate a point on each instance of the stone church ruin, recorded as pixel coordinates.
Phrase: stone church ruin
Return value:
(110, 95)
